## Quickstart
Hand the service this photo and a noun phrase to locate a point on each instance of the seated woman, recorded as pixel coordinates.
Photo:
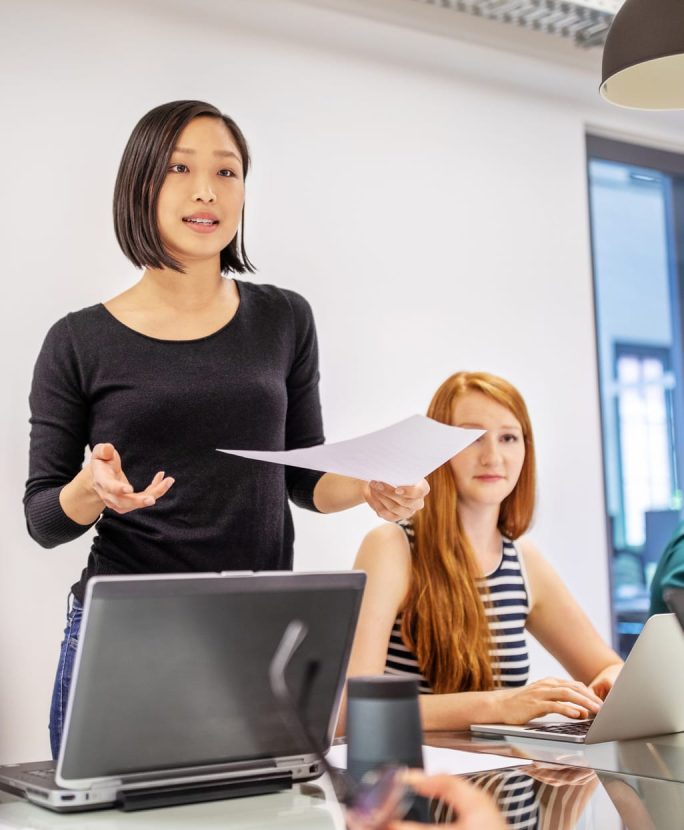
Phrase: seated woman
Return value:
(451, 592)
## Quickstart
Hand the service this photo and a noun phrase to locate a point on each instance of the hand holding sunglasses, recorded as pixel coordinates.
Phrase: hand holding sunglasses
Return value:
(472, 809)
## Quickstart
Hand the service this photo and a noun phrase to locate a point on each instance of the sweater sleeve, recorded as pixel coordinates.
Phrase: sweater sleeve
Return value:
(304, 425)
(59, 423)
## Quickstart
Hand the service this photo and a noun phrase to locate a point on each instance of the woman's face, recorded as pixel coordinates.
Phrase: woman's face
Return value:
(488, 470)
(200, 202)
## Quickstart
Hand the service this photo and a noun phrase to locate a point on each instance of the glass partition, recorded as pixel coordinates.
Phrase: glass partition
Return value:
(637, 225)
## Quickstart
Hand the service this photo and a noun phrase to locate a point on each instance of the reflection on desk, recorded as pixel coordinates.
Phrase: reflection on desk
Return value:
(659, 757)
(305, 807)
(646, 803)
(541, 796)
(549, 797)
(538, 797)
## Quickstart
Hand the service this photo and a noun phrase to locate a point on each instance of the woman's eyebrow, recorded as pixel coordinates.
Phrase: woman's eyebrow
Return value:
(222, 153)
(480, 426)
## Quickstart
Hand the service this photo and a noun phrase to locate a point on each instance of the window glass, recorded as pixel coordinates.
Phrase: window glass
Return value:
(637, 227)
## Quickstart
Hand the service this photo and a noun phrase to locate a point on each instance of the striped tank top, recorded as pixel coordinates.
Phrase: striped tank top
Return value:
(506, 601)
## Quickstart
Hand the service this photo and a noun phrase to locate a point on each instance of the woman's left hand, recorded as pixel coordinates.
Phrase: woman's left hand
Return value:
(604, 680)
(394, 503)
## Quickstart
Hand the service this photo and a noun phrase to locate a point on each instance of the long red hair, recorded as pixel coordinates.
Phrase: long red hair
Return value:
(443, 619)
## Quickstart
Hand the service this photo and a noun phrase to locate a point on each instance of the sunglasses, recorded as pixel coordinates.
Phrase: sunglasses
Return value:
(382, 795)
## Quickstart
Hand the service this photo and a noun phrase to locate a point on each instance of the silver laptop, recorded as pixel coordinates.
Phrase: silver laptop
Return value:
(171, 701)
(646, 700)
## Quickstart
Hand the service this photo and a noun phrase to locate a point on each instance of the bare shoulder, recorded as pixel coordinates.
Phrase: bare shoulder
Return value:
(385, 554)
(545, 583)
(387, 542)
(530, 551)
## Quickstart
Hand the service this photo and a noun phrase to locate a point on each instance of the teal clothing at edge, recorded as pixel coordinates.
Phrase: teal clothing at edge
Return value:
(670, 571)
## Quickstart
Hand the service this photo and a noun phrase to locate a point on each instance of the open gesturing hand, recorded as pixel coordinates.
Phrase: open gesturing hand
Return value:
(111, 485)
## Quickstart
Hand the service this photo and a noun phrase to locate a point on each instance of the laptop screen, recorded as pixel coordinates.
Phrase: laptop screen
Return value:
(173, 671)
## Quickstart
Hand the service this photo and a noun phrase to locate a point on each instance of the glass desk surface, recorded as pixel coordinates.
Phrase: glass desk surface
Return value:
(550, 797)
(541, 796)
(658, 757)
(305, 807)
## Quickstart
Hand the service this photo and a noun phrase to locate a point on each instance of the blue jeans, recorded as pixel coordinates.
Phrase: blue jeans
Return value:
(60, 693)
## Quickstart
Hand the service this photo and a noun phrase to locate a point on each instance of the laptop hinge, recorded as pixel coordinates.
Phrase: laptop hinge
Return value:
(147, 799)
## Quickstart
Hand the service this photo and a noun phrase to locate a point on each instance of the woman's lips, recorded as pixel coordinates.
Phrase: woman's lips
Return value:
(489, 479)
(201, 222)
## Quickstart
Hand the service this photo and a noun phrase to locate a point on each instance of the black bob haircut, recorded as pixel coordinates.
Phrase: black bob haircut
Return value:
(141, 174)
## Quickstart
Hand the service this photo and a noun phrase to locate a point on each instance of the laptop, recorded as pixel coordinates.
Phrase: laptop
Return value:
(646, 699)
(171, 702)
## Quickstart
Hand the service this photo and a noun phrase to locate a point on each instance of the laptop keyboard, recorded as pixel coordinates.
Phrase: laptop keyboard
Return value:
(45, 773)
(580, 728)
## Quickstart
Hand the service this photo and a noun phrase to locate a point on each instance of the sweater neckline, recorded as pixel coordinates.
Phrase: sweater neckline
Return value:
(209, 336)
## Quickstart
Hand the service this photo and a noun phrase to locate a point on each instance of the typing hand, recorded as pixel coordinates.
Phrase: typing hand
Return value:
(111, 485)
(550, 696)
(604, 680)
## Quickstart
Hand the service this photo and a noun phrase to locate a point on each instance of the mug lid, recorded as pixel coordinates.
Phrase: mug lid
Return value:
(382, 686)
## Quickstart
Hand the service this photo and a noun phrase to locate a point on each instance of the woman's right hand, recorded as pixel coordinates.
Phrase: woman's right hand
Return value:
(550, 696)
(111, 486)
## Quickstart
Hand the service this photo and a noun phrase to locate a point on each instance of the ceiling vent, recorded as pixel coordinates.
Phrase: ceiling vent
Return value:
(586, 22)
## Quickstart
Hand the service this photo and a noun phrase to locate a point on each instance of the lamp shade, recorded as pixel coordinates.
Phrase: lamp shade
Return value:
(643, 58)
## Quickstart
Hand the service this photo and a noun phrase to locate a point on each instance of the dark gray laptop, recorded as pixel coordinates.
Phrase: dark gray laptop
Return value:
(171, 700)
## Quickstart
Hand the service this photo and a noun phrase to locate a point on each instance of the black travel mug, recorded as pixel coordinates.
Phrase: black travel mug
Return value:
(384, 729)
(383, 724)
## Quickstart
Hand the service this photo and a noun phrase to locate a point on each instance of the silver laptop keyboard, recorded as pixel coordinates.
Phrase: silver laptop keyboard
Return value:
(562, 728)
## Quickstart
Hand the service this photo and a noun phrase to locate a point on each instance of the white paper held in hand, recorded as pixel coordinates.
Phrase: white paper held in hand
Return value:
(402, 453)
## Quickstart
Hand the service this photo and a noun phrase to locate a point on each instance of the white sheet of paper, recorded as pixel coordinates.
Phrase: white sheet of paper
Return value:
(438, 760)
(399, 454)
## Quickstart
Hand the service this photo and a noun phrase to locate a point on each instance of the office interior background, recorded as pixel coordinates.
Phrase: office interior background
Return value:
(426, 179)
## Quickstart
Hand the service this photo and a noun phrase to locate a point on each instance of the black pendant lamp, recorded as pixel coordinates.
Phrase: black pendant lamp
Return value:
(643, 58)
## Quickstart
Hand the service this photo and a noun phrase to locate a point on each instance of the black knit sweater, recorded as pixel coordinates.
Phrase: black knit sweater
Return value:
(168, 405)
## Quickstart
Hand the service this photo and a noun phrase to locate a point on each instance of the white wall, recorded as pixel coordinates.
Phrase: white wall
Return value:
(427, 195)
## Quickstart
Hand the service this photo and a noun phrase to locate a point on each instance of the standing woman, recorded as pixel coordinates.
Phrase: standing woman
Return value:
(154, 380)
(451, 593)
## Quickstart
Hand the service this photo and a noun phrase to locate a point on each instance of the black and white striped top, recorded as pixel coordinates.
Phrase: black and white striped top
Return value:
(507, 605)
